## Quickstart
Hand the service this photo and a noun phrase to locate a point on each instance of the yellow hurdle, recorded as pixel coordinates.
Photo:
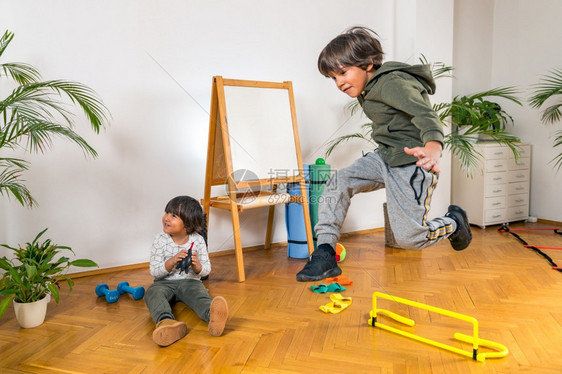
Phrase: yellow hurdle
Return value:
(474, 339)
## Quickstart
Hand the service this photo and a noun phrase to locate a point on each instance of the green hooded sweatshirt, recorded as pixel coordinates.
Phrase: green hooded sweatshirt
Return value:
(396, 99)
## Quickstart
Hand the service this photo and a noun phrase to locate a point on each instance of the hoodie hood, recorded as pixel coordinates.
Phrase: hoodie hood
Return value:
(421, 72)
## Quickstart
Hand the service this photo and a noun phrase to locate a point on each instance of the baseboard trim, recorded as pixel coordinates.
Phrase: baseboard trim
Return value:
(89, 273)
(549, 222)
(145, 265)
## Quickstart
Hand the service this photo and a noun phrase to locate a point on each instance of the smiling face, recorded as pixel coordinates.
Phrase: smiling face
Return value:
(173, 225)
(352, 80)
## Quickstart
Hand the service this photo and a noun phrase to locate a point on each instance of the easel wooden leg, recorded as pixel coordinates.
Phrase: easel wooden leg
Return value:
(269, 231)
(307, 224)
(238, 243)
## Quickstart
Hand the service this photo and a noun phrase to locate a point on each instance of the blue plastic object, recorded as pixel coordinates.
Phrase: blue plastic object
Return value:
(111, 296)
(294, 220)
(136, 292)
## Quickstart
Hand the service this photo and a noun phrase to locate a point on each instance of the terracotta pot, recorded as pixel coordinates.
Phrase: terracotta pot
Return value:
(31, 314)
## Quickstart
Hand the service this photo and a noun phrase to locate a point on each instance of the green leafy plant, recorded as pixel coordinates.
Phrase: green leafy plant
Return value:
(471, 117)
(34, 272)
(550, 86)
(475, 118)
(34, 113)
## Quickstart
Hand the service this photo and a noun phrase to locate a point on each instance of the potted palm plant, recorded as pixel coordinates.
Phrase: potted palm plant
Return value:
(32, 277)
(34, 113)
(31, 116)
(550, 86)
(473, 118)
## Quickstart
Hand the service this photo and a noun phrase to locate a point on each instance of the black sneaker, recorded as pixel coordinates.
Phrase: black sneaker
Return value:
(322, 264)
(462, 236)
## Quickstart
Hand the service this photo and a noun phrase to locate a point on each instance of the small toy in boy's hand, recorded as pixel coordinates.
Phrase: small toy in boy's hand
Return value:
(185, 263)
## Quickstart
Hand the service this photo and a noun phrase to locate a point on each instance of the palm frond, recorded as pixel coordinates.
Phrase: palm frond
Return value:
(441, 70)
(40, 134)
(552, 113)
(20, 72)
(86, 98)
(462, 147)
(353, 107)
(37, 98)
(37, 112)
(557, 160)
(8, 162)
(342, 139)
(32, 102)
(508, 93)
(5, 41)
(12, 185)
(438, 69)
(548, 86)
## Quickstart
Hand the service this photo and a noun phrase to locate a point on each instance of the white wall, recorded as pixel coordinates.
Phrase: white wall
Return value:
(152, 63)
(513, 43)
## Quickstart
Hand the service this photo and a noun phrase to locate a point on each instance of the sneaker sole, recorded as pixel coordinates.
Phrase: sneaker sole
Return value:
(218, 316)
(333, 272)
(166, 335)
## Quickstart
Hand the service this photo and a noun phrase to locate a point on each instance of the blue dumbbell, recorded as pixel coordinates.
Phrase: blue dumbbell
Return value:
(137, 292)
(110, 295)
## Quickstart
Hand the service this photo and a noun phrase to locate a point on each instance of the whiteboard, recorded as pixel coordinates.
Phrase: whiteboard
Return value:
(261, 132)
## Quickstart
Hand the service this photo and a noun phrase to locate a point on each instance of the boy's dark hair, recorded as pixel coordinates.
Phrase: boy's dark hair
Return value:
(189, 210)
(358, 46)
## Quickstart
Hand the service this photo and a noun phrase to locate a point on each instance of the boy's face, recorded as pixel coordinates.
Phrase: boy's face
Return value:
(352, 80)
(173, 225)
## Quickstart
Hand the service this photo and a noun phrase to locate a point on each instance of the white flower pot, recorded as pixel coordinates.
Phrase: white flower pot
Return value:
(31, 314)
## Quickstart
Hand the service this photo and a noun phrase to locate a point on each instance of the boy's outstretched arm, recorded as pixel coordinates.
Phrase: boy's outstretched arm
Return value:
(428, 155)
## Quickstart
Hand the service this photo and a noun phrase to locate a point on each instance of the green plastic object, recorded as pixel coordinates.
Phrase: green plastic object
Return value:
(319, 175)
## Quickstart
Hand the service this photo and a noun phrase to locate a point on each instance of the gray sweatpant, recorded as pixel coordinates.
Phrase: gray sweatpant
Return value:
(408, 196)
(162, 293)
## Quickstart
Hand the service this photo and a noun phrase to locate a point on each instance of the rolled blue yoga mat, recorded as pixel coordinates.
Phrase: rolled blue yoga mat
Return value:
(294, 220)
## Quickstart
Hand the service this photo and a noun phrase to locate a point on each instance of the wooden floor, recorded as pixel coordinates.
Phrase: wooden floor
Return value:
(276, 326)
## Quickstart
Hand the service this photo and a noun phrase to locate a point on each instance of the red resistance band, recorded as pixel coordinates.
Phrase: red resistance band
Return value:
(504, 228)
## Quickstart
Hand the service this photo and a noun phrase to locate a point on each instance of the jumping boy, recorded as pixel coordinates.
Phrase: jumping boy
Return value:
(409, 134)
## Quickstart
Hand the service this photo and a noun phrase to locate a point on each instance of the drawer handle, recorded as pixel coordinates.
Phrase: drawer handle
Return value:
(519, 188)
(498, 178)
(496, 215)
(497, 204)
(519, 200)
(498, 153)
(520, 175)
(496, 191)
(498, 166)
(519, 212)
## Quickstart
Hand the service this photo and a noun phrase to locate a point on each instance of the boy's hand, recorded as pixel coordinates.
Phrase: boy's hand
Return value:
(179, 256)
(195, 264)
(428, 155)
(173, 261)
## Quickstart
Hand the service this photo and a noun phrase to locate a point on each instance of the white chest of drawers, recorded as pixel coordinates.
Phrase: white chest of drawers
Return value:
(500, 192)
